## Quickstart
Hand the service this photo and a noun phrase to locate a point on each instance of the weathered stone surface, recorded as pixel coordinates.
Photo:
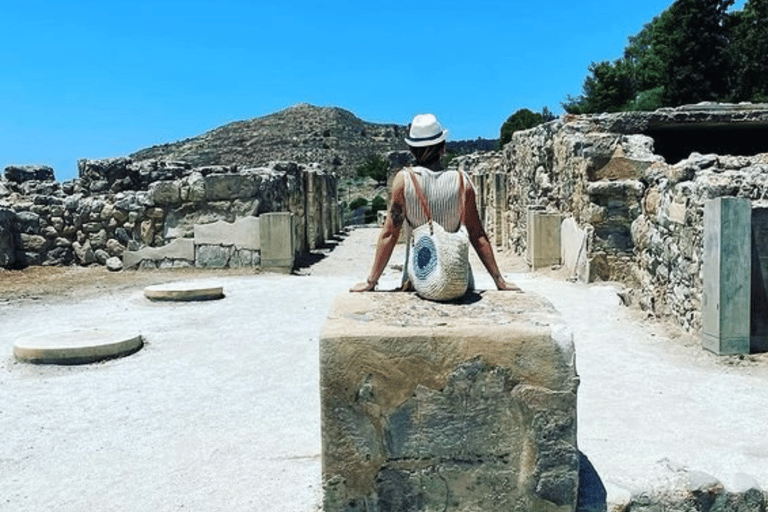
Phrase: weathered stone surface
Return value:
(76, 347)
(228, 186)
(179, 249)
(165, 192)
(468, 406)
(114, 264)
(213, 256)
(7, 247)
(20, 174)
(243, 233)
(27, 222)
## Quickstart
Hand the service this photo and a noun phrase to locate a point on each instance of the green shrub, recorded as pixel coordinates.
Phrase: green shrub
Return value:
(375, 166)
(357, 203)
(378, 203)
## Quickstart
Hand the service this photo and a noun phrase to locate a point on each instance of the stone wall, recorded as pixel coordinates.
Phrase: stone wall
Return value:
(117, 205)
(642, 216)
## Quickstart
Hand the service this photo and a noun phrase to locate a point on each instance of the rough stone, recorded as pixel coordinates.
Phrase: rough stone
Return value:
(114, 264)
(7, 247)
(470, 406)
(20, 174)
(213, 256)
(243, 233)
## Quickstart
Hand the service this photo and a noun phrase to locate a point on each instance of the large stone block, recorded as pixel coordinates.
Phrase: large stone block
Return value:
(278, 241)
(727, 273)
(458, 407)
(243, 233)
(179, 249)
(543, 239)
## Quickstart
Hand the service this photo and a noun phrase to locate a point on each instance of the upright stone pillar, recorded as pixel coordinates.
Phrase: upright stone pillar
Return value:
(499, 207)
(278, 247)
(759, 298)
(543, 238)
(727, 272)
(460, 407)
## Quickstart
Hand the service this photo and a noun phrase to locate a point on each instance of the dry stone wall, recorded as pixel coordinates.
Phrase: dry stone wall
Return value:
(118, 205)
(641, 216)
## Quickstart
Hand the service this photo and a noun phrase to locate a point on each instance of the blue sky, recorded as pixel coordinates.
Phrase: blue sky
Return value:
(95, 79)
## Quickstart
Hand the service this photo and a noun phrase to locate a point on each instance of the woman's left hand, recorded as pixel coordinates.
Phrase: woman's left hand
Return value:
(365, 286)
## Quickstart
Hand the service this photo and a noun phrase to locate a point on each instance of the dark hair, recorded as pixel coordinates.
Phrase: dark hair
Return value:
(427, 155)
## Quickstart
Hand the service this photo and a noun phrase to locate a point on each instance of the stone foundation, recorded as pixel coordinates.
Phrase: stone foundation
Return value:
(458, 407)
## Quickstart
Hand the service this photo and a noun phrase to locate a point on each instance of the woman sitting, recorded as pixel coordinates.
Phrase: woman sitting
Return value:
(426, 140)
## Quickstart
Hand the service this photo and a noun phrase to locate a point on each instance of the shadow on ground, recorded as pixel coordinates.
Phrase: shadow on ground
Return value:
(592, 494)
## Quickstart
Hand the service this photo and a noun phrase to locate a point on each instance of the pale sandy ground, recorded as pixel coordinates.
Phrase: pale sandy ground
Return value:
(220, 410)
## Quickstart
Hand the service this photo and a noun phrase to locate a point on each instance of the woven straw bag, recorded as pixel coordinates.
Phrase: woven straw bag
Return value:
(438, 266)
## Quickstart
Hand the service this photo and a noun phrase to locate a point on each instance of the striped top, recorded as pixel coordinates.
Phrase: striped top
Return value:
(442, 192)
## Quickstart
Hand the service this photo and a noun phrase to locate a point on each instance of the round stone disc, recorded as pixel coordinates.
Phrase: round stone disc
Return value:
(75, 347)
(183, 292)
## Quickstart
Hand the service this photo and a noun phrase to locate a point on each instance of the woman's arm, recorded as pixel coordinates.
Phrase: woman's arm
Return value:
(480, 242)
(389, 235)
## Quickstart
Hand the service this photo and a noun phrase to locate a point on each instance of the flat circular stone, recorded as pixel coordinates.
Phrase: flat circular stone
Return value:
(183, 292)
(75, 347)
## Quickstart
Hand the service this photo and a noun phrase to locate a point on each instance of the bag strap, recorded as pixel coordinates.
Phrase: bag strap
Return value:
(425, 204)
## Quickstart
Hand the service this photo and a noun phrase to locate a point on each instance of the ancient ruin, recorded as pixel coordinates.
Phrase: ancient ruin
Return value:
(152, 214)
(630, 189)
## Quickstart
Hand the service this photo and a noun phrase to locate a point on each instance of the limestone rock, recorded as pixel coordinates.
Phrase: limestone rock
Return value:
(20, 174)
(114, 264)
(426, 405)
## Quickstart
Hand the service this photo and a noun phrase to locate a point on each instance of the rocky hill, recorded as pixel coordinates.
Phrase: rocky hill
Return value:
(332, 137)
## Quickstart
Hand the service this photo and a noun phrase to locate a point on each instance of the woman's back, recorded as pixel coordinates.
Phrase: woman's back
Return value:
(442, 192)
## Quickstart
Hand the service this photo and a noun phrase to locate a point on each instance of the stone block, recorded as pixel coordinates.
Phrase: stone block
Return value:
(244, 233)
(227, 187)
(543, 239)
(677, 213)
(179, 249)
(212, 256)
(759, 288)
(727, 270)
(278, 242)
(7, 246)
(461, 407)
(573, 249)
(620, 167)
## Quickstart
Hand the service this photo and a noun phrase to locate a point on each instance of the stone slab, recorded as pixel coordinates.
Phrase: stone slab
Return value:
(243, 233)
(573, 249)
(179, 249)
(429, 406)
(76, 347)
(543, 239)
(183, 292)
(727, 270)
(278, 242)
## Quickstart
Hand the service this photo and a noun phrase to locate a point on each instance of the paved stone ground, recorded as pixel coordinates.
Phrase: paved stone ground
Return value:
(220, 410)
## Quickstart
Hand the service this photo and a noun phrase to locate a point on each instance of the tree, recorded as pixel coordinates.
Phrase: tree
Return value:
(375, 166)
(520, 120)
(749, 52)
(699, 63)
(608, 89)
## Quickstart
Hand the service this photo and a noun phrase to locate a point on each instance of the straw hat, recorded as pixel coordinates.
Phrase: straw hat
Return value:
(425, 130)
